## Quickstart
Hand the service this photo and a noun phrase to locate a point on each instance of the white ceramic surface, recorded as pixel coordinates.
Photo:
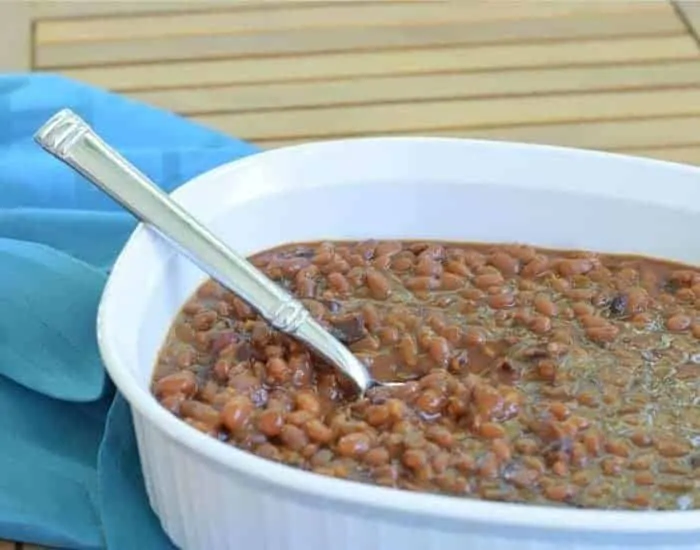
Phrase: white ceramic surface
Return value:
(213, 497)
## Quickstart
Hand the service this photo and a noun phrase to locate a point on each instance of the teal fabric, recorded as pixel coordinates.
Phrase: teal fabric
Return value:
(69, 470)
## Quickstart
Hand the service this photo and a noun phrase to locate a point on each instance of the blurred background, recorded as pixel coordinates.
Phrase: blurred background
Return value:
(618, 75)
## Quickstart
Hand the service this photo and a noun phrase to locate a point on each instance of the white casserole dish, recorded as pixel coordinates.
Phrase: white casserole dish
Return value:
(210, 496)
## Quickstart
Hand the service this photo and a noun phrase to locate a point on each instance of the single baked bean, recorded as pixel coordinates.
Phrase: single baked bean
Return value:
(453, 334)
(641, 439)
(501, 301)
(593, 443)
(522, 477)
(440, 435)
(591, 321)
(505, 263)
(402, 262)
(430, 402)
(488, 280)
(678, 322)
(439, 350)
(440, 462)
(559, 410)
(643, 462)
(501, 449)
(672, 448)
(644, 478)
(338, 282)
(474, 337)
(378, 456)
(204, 320)
(606, 333)
(533, 463)
(617, 448)
(560, 468)
(388, 248)
(277, 370)
(353, 445)
(377, 415)
(368, 343)
(173, 402)
(582, 309)
(388, 335)
(270, 422)
(450, 281)
(540, 324)
(429, 267)
(183, 382)
(415, 459)
(457, 268)
(200, 412)
(582, 294)
(379, 286)
(236, 413)
(678, 466)
(307, 401)
(545, 306)
(535, 267)
(209, 392)
(642, 321)
(490, 430)
(559, 492)
(488, 468)
(612, 466)
(293, 437)
(422, 283)
(201, 426)
(408, 350)
(637, 498)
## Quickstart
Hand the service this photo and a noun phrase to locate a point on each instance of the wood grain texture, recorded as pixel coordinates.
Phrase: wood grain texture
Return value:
(16, 32)
(689, 154)
(310, 16)
(691, 12)
(420, 88)
(127, 78)
(297, 40)
(488, 112)
(54, 9)
(607, 135)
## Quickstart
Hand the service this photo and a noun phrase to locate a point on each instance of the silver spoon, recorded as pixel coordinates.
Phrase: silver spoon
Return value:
(70, 139)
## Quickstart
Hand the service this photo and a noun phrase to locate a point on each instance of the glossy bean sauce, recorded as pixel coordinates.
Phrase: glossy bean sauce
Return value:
(537, 376)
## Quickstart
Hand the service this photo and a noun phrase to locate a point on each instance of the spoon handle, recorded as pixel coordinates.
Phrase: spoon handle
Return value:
(70, 139)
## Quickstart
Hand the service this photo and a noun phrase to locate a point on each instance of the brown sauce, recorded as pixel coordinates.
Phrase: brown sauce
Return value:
(533, 375)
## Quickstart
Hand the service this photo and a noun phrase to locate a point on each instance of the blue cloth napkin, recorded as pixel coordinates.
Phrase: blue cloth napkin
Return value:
(69, 469)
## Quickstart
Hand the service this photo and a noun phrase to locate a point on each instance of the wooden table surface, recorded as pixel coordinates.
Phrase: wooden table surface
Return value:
(618, 75)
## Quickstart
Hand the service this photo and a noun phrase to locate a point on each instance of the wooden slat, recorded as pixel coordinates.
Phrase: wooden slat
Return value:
(329, 14)
(296, 41)
(689, 154)
(110, 8)
(624, 134)
(7, 545)
(358, 120)
(16, 32)
(424, 87)
(691, 10)
(324, 67)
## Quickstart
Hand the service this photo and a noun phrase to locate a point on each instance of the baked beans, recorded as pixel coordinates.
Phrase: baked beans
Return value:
(531, 375)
